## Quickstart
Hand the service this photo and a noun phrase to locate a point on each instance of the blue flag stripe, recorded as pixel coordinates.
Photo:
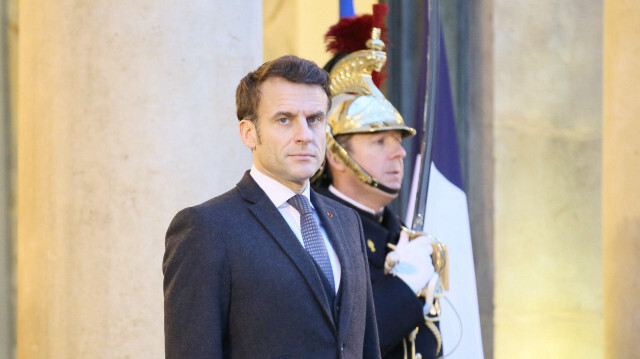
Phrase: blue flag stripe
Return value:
(445, 153)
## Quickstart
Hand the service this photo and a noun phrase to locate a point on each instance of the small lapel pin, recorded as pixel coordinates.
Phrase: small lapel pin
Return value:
(329, 214)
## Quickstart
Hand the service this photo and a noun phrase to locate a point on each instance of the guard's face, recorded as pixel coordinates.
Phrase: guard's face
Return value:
(289, 143)
(381, 155)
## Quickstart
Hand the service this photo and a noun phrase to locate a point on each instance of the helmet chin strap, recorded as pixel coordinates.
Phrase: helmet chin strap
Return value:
(342, 154)
(383, 188)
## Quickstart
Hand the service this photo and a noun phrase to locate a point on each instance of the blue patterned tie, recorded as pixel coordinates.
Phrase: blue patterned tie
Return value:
(312, 237)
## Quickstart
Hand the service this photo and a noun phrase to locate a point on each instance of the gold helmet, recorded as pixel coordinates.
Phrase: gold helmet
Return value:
(358, 106)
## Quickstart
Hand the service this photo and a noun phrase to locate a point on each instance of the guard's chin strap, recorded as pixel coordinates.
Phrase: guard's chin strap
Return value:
(383, 188)
(342, 154)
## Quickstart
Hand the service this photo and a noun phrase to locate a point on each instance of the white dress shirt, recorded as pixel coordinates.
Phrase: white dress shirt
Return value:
(279, 194)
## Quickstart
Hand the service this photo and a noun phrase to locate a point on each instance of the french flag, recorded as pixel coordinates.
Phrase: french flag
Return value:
(447, 218)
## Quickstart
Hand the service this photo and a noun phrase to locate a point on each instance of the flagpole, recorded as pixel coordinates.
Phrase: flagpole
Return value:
(424, 164)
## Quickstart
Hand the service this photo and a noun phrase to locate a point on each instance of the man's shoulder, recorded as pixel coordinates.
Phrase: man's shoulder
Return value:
(221, 199)
(218, 205)
(229, 199)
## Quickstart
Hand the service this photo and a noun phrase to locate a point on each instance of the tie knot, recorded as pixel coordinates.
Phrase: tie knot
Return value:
(300, 203)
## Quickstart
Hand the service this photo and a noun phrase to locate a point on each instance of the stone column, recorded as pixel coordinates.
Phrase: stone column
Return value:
(126, 115)
(620, 177)
(477, 111)
(547, 99)
(8, 80)
(6, 245)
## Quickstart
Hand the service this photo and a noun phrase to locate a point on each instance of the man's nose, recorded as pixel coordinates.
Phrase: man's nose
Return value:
(398, 150)
(302, 130)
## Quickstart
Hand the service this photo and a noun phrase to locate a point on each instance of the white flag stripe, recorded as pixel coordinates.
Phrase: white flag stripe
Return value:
(447, 217)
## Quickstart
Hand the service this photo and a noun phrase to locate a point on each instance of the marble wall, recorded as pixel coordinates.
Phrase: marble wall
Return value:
(547, 102)
(126, 115)
(620, 174)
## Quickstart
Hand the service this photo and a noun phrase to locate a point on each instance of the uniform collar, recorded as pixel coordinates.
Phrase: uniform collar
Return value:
(355, 203)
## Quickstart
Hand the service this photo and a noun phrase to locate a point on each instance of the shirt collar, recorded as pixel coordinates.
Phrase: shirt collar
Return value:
(355, 203)
(278, 193)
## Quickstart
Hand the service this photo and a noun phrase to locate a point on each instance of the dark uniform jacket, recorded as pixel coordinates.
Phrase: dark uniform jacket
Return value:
(398, 309)
(238, 284)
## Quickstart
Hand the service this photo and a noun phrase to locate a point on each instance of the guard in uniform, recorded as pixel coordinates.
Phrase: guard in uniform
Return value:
(364, 170)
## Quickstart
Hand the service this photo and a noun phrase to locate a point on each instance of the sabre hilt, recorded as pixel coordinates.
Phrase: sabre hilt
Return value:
(439, 257)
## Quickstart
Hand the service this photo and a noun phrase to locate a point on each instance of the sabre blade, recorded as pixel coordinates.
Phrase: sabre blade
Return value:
(424, 163)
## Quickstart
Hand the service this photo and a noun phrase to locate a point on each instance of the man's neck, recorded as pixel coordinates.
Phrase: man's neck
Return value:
(277, 192)
(297, 187)
(354, 202)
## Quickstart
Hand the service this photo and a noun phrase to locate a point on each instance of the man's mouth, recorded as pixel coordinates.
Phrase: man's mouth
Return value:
(302, 155)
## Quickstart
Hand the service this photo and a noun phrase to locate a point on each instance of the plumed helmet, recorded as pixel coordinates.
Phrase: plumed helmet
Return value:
(358, 106)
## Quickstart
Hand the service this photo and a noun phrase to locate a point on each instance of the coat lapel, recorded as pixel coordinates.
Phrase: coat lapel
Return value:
(334, 224)
(268, 215)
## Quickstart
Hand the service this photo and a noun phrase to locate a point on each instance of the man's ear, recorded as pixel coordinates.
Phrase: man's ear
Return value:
(248, 133)
(334, 163)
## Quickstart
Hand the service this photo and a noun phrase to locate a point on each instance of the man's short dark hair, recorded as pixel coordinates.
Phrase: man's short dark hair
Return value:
(290, 68)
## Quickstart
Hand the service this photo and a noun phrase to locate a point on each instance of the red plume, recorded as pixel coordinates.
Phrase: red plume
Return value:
(379, 13)
(350, 34)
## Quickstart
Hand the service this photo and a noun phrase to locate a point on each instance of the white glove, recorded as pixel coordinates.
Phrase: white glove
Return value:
(411, 262)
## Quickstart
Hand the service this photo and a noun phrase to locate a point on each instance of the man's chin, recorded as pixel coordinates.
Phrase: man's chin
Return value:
(393, 185)
(304, 173)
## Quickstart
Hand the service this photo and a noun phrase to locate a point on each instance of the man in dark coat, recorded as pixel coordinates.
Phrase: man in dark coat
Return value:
(364, 170)
(271, 269)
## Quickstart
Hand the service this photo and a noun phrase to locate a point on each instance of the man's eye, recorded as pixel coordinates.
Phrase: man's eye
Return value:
(283, 120)
(313, 120)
